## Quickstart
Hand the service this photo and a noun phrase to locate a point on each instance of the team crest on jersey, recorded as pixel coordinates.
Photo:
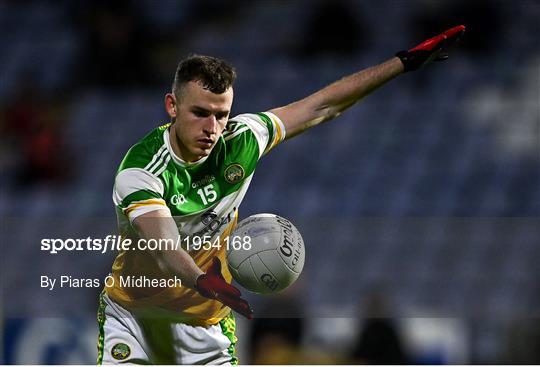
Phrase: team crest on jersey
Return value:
(234, 173)
(120, 351)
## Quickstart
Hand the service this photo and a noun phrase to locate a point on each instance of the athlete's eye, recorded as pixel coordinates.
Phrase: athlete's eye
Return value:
(221, 116)
(201, 113)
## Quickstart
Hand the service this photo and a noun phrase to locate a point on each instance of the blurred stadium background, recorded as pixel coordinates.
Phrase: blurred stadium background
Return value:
(419, 206)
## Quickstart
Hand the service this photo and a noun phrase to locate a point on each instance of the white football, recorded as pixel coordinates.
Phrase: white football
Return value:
(274, 258)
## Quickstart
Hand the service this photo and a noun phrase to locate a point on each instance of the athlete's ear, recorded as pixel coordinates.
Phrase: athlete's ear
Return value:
(170, 105)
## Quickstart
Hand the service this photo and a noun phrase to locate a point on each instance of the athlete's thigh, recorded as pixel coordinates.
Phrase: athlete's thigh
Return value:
(208, 345)
(120, 338)
(202, 345)
(177, 343)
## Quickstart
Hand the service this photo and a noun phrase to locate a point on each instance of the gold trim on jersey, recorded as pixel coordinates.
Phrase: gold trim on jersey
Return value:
(138, 204)
(278, 132)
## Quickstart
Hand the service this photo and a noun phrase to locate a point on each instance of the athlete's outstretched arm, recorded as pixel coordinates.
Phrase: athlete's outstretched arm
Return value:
(330, 101)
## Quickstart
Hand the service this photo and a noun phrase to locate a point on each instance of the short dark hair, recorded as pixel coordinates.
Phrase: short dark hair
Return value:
(214, 74)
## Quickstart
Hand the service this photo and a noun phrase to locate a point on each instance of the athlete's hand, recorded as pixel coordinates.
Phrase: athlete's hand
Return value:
(213, 285)
(433, 49)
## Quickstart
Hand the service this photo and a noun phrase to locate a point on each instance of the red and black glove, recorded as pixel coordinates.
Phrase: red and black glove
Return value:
(212, 285)
(433, 49)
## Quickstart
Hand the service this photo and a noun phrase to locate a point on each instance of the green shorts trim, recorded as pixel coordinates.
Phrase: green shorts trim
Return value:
(101, 323)
(228, 328)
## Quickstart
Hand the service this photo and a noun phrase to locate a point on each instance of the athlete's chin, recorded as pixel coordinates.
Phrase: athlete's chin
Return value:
(202, 152)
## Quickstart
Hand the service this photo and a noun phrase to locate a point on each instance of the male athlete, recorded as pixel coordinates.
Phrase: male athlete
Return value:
(186, 180)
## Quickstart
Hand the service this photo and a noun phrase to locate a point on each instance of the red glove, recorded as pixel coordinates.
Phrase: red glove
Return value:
(212, 285)
(434, 49)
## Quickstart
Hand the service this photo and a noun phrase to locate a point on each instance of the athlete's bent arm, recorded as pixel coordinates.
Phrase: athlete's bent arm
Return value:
(159, 224)
(330, 101)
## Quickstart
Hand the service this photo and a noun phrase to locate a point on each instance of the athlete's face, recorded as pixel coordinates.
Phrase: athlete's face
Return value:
(200, 117)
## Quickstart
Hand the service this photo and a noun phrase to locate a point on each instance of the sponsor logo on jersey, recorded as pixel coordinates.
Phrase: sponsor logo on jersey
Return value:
(212, 223)
(234, 173)
(209, 218)
(178, 199)
(203, 181)
(120, 351)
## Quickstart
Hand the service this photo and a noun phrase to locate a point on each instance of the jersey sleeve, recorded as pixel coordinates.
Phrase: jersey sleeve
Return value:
(267, 128)
(137, 191)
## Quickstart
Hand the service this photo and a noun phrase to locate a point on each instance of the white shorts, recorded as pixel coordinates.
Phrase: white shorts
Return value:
(125, 338)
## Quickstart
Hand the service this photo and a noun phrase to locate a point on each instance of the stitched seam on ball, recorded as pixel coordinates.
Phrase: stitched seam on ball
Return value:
(247, 258)
(255, 274)
(260, 252)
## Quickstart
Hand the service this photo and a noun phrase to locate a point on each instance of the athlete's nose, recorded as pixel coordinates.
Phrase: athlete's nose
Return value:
(210, 126)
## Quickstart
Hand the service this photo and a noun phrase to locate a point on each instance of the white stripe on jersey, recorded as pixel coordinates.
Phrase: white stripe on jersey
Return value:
(132, 180)
(164, 166)
(236, 133)
(143, 209)
(237, 126)
(156, 156)
(159, 162)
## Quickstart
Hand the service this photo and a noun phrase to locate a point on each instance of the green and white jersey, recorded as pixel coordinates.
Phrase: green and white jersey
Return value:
(202, 196)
